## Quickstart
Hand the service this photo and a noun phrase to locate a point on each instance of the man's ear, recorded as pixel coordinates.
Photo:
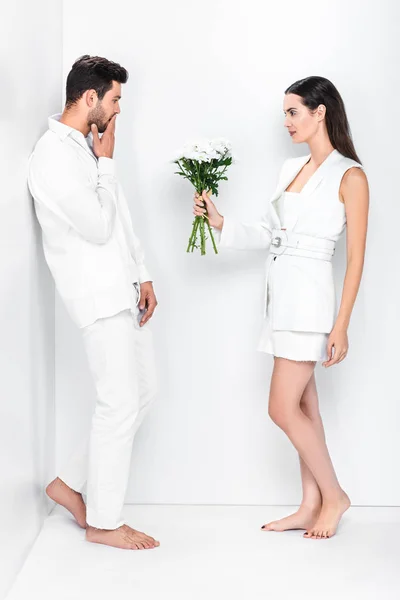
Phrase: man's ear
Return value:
(91, 98)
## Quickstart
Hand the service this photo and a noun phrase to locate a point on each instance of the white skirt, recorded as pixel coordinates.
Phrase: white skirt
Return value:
(294, 345)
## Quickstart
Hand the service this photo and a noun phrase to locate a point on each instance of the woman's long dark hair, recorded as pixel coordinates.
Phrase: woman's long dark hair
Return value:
(319, 90)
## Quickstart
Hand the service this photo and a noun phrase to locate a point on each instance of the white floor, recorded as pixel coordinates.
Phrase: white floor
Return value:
(217, 552)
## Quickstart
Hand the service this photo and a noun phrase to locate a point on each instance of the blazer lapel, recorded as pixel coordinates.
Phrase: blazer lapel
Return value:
(307, 197)
(318, 175)
(308, 189)
(287, 177)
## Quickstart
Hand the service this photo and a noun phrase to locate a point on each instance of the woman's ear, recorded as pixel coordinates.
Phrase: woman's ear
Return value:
(321, 111)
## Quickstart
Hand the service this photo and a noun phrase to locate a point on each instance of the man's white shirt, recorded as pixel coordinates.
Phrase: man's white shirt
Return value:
(88, 238)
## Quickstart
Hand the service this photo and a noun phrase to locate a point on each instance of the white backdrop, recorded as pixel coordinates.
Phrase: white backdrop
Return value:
(30, 63)
(220, 69)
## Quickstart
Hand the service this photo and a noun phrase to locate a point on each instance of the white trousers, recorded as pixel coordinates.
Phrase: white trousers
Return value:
(121, 361)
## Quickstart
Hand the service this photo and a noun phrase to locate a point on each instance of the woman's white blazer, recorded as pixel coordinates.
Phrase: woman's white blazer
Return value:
(303, 290)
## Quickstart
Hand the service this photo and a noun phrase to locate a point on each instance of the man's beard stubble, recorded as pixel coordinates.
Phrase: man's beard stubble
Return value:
(98, 117)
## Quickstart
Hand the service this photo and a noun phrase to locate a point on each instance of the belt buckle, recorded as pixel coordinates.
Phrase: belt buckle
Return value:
(279, 241)
(276, 241)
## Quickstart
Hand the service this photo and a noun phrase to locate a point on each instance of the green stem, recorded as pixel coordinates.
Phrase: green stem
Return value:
(202, 237)
(198, 230)
(187, 174)
(198, 177)
(212, 237)
(192, 235)
(192, 239)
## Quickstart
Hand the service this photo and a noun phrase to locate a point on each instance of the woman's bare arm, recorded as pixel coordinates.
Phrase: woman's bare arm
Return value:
(355, 195)
(354, 192)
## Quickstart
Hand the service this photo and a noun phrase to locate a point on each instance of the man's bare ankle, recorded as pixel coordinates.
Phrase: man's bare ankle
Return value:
(94, 529)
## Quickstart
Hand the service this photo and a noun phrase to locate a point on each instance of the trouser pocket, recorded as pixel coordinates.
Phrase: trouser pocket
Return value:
(137, 313)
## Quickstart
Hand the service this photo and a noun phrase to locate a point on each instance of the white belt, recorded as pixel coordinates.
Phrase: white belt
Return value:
(299, 244)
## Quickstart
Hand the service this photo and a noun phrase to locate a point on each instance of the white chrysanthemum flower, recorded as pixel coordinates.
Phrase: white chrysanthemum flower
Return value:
(205, 150)
(221, 145)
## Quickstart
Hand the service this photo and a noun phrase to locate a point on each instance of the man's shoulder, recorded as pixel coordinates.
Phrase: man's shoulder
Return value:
(51, 150)
(48, 142)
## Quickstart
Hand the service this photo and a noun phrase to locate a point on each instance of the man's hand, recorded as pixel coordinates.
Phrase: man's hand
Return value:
(105, 145)
(147, 300)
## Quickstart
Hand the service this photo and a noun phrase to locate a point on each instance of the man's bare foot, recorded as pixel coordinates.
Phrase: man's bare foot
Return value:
(304, 518)
(124, 537)
(328, 520)
(61, 493)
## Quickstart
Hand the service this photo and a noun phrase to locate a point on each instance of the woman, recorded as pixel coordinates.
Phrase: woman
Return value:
(317, 196)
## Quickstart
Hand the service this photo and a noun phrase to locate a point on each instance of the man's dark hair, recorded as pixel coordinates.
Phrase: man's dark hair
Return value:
(92, 73)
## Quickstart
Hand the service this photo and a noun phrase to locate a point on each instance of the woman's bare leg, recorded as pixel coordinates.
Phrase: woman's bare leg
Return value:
(310, 406)
(289, 380)
(310, 507)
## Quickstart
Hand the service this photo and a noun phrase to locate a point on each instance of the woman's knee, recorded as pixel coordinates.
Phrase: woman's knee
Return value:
(279, 414)
(285, 415)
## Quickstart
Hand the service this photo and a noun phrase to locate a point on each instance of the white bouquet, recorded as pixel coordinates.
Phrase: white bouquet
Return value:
(204, 164)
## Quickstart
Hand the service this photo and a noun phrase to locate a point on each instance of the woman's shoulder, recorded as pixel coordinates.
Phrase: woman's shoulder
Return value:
(346, 162)
(351, 176)
(350, 169)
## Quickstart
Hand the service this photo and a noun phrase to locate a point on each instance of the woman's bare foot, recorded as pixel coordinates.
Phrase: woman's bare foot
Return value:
(304, 518)
(329, 518)
(61, 493)
(124, 537)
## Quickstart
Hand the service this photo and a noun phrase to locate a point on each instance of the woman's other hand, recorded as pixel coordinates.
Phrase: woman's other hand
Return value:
(339, 341)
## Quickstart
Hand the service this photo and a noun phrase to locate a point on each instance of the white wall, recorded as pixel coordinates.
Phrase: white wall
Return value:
(220, 69)
(30, 64)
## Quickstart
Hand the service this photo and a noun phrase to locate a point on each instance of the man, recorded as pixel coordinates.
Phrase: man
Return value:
(98, 267)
